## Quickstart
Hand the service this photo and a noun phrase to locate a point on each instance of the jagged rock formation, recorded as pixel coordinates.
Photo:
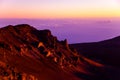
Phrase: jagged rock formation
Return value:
(39, 55)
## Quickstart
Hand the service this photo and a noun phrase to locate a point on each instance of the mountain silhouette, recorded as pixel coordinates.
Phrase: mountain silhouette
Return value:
(106, 52)
(30, 54)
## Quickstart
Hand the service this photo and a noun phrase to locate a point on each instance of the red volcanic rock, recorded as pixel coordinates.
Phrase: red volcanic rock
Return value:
(38, 54)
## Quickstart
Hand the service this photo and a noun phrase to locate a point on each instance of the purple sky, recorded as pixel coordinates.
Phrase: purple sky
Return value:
(75, 30)
(76, 20)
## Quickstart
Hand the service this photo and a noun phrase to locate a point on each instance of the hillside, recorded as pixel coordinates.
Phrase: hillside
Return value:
(106, 52)
(30, 54)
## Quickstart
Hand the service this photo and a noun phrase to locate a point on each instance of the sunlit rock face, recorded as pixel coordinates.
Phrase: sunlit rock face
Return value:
(38, 55)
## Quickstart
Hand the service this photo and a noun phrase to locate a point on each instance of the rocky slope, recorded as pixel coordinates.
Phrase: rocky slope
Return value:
(106, 52)
(30, 54)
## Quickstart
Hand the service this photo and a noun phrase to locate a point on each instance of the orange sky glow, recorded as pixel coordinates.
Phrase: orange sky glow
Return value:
(59, 9)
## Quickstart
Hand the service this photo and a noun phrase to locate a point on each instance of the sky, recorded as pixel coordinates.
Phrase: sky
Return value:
(59, 8)
(34, 12)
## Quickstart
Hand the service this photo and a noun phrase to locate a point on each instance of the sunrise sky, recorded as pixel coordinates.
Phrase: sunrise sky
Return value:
(59, 8)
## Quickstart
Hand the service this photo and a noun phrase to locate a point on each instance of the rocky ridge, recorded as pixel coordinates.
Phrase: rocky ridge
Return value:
(30, 54)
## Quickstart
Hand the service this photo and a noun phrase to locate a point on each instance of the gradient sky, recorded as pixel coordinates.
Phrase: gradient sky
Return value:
(59, 8)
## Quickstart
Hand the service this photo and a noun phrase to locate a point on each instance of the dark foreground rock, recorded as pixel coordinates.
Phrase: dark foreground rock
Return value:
(30, 54)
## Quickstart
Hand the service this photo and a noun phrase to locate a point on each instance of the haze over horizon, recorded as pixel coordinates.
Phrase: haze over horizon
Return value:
(76, 20)
(74, 30)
